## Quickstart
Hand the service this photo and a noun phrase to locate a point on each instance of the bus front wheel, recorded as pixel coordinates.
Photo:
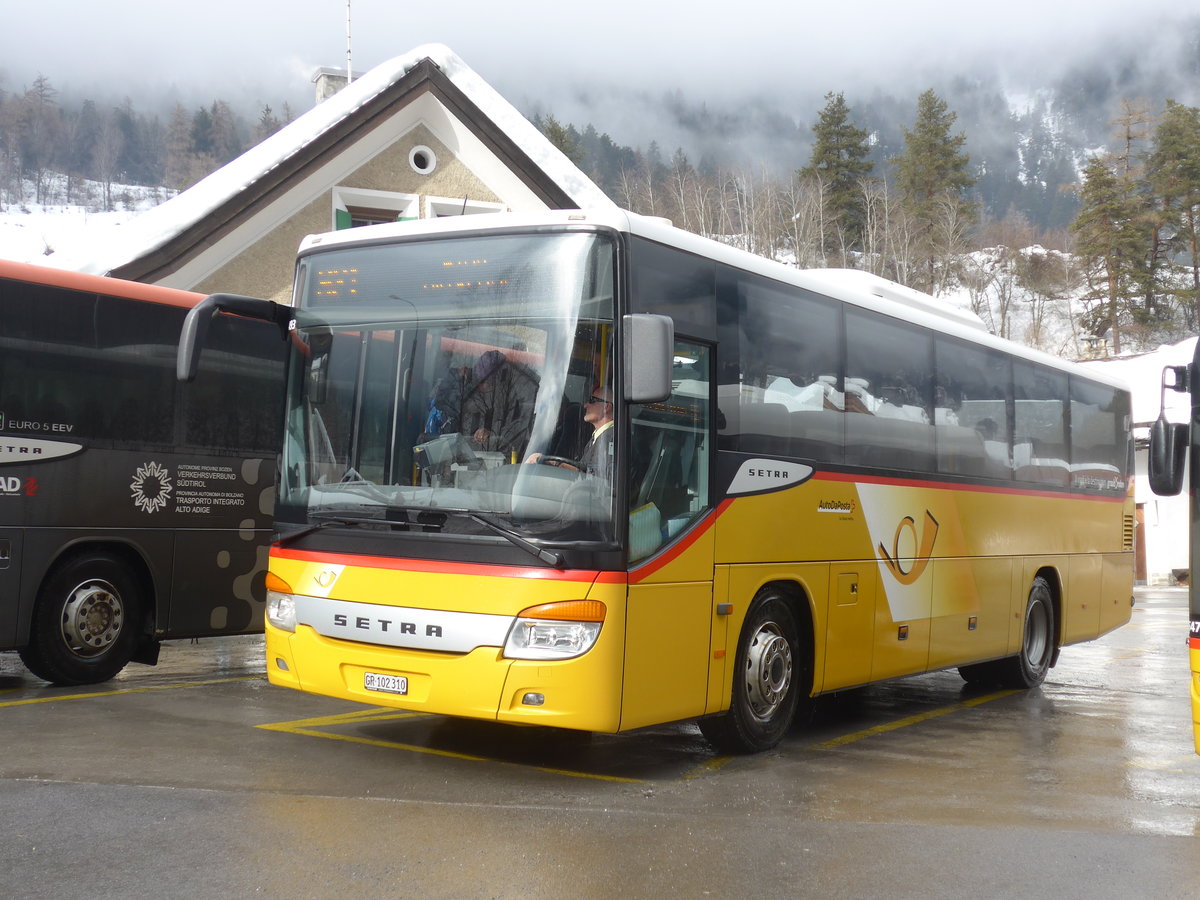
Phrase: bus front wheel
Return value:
(85, 623)
(766, 681)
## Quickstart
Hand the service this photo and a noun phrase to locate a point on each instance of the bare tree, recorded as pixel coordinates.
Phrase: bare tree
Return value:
(106, 156)
(805, 209)
(948, 241)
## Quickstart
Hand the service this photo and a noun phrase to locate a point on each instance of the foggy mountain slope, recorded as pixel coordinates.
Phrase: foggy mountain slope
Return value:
(1029, 125)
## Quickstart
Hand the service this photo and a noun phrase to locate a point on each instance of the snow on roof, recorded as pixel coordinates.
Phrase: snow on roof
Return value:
(155, 227)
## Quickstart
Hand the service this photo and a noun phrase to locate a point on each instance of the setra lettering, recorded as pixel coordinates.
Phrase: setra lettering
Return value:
(365, 623)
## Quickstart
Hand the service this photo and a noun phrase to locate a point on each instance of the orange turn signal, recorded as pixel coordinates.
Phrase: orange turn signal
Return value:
(277, 584)
(567, 611)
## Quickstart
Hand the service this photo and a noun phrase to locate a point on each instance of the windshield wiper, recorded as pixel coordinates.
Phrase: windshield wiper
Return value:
(546, 556)
(326, 519)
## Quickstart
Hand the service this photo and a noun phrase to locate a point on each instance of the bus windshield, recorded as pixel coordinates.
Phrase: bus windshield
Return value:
(454, 386)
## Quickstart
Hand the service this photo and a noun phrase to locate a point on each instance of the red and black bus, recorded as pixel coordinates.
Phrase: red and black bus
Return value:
(133, 508)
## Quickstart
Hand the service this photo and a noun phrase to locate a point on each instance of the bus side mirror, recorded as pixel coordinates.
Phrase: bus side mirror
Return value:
(200, 316)
(1168, 452)
(648, 351)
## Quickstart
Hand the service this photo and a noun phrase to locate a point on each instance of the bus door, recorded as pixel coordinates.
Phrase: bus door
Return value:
(670, 612)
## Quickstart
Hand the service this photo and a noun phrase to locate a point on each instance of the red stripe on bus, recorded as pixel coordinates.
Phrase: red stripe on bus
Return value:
(956, 486)
(439, 567)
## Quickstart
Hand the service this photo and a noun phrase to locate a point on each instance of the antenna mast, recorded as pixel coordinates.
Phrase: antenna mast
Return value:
(349, 71)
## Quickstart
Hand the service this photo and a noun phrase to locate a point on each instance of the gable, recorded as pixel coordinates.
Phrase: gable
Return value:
(486, 156)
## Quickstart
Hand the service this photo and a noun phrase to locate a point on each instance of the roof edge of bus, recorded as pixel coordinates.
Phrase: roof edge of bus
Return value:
(848, 285)
(96, 284)
(611, 218)
(836, 282)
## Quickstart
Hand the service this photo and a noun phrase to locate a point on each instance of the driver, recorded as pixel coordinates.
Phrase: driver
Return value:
(597, 456)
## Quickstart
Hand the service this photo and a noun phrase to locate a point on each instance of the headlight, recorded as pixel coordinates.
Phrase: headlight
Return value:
(281, 605)
(555, 630)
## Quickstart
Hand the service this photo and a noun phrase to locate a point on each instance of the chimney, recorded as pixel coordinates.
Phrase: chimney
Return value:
(328, 81)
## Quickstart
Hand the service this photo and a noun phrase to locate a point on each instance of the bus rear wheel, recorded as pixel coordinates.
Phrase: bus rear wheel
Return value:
(1030, 666)
(766, 681)
(85, 623)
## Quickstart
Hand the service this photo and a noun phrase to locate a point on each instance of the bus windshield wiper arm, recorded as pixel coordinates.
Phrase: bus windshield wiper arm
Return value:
(325, 520)
(546, 556)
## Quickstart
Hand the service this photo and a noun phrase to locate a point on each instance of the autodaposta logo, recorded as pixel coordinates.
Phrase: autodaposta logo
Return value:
(151, 487)
(15, 486)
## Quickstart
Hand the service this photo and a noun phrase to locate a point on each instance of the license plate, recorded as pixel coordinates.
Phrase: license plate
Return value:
(387, 684)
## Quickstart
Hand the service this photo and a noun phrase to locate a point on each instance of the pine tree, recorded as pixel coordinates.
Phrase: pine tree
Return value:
(933, 177)
(564, 137)
(267, 124)
(1110, 236)
(932, 165)
(1173, 171)
(839, 163)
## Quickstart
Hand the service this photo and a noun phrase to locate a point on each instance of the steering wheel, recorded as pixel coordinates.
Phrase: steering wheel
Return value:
(559, 461)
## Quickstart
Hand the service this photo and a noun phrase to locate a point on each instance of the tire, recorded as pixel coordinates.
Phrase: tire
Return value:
(1030, 666)
(766, 681)
(86, 621)
(981, 673)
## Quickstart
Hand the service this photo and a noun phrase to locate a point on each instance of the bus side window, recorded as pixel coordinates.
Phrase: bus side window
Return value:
(971, 410)
(1039, 430)
(889, 383)
(788, 399)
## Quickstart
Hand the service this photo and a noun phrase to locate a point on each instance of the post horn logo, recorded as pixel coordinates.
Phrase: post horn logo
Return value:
(916, 568)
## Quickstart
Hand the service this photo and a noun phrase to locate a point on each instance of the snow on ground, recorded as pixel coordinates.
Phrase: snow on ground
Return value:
(39, 233)
(34, 233)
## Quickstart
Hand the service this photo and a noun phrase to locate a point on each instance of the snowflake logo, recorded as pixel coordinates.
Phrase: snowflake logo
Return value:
(151, 487)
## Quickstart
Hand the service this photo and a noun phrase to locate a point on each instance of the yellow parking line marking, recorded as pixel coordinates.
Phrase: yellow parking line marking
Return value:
(1166, 765)
(372, 715)
(309, 728)
(909, 720)
(29, 701)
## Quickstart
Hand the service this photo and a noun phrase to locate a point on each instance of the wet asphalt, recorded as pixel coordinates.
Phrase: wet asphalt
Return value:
(196, 778)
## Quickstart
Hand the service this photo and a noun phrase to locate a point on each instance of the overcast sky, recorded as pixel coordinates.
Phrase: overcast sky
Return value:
(266, 50)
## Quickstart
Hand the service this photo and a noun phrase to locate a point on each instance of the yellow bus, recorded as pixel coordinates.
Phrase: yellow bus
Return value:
(810, 481)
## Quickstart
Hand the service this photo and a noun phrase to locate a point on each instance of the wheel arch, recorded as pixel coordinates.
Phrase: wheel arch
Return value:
(800, 600)
(125, 553)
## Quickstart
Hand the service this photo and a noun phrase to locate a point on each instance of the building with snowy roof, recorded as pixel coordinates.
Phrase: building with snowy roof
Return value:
(419, 136)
